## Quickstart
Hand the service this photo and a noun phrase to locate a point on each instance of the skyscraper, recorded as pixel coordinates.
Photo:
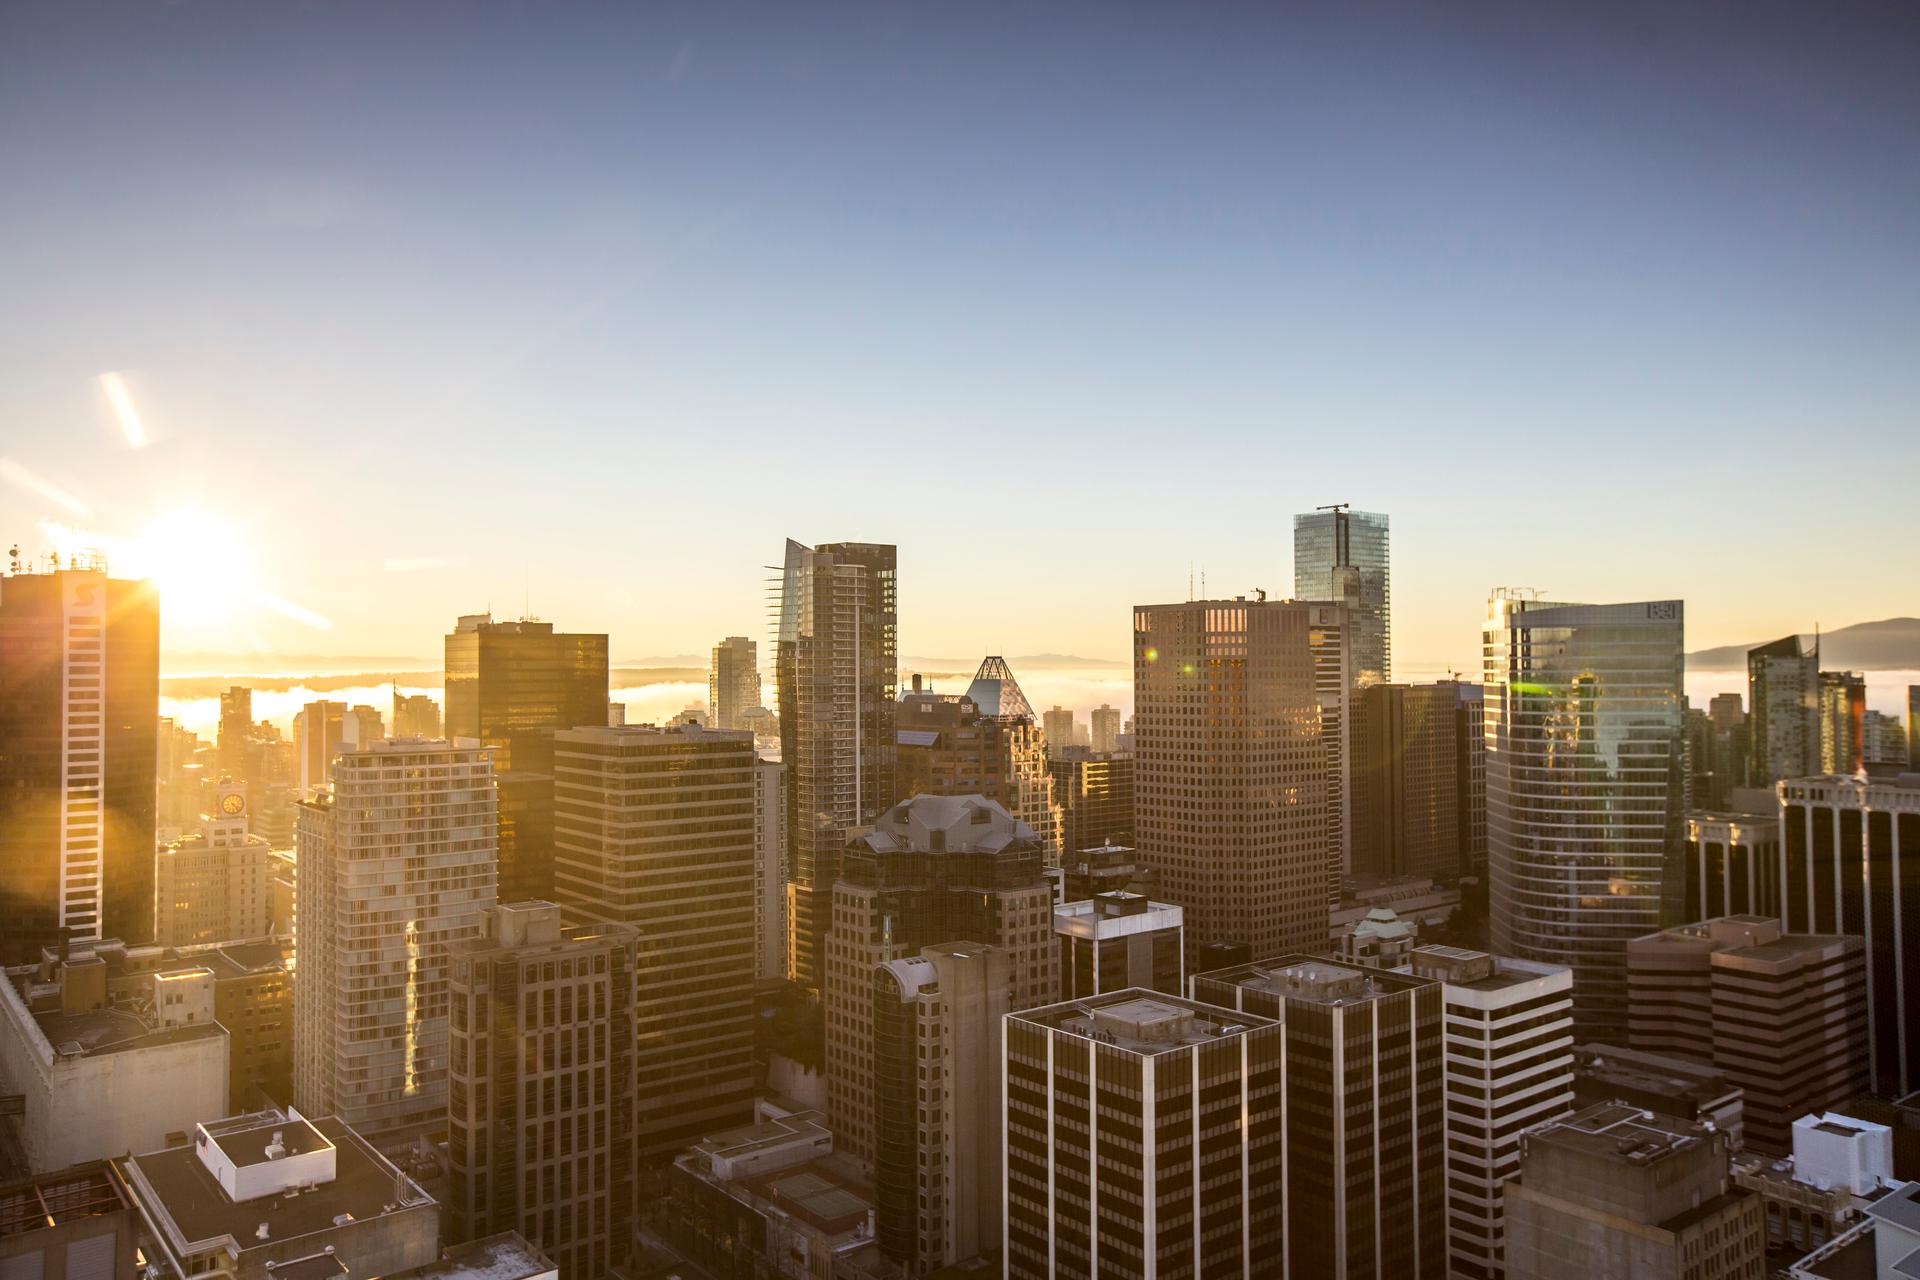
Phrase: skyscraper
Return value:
(1843, 708)
(1060, 728)
(1406, 784)
(1104, 732)
(769, 871)
(415, 715)
(1095, 795)
(79, 738)
(395, 865)
(1230, 785)
(984, 742)
(1585, 786)
(318, 730)
(655, 829)
(1913, 727)
(1330, 636)
(1783, 731)
(838, 675)
(236, 727)
(733, 682)
(934, 869)
(511, 685)
(1343, 556)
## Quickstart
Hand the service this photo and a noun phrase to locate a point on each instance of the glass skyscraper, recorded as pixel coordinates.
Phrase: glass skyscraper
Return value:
(1585, 786)
(1342, 556)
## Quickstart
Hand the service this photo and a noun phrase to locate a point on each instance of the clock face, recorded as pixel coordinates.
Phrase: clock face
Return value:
(232, 803)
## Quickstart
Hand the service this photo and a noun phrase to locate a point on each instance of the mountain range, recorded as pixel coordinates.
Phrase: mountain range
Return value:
(1892, 644)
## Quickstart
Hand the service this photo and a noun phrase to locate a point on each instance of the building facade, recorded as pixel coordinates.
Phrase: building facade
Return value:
(1406, 782)
(214, 886)
(1783, 701)
(1115, 940)
(1095, 795)
(1345, 556)
(395, 864)
(1732, 864)
(1843, 709)
(733, 682)
(984, 742)
(1586, 786)
(837, 671)
(769, 871)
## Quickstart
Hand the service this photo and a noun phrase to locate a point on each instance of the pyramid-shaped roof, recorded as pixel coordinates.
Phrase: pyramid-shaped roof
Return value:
(997, 693)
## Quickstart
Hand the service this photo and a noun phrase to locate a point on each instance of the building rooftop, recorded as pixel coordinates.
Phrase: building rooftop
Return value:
(506, 1256)
(1620, 1133)
(1478, 970)
(93, 1032)
(1317, 979)
(764, 1134)
(84, 1191)
(1144, 1022)
(1901, 1208)
(947, 824)
(1677, 1078)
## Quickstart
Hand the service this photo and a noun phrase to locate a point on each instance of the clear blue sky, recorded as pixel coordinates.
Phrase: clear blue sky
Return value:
(597, 304)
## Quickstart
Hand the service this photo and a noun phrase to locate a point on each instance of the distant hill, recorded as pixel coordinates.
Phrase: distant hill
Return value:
(1892, 644)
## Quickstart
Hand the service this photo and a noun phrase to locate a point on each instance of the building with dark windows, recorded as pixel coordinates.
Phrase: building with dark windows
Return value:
(1230, 803)
(1344, 556)
(984, 742)
(1112, 868)
(1678, 1088)
(1732, 859)
(1850, 863)
(935, 869)
(1095, 793)
(1366, 1099)
(1470, 755)
(1406, 782)
(540, 1103)
(1586, 787)
(80, 724)
(655, 829)
(1116, 940)
(837, 672)
(1782, 1016)
(510, 685)
(1783, 707)
(1843, 709)
(733, 682)
(1089, 1193)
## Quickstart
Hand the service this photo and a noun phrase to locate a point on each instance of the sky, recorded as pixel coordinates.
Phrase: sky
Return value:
(420, 310)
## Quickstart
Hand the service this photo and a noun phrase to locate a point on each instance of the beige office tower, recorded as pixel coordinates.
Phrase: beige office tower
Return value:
(937, 1044)
(769, 871)
(933, 869)
(655, 828)
(541, 1105)
(1330, 636)
(733, 682)
(213, 886)
(1230, 771)
(395, 864)
(1104, 732)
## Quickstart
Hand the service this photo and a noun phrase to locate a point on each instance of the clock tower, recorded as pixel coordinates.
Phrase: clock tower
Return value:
(226, 824)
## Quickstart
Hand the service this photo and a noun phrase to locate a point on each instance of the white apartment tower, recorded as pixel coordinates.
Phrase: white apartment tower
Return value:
(396, 862)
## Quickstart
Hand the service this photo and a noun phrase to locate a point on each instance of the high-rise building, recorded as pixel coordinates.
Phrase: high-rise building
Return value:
(1364, 1076)
(1849, 848)
(769, 871)
(182, 769)
(1509, 1066)
(415, 715)
(1090, 1194)
(1230, 772)
(541, 1104)
(1617, 1193)
(511, 685)
(938, 1055)
(1586, 786)
(1470, 753)
(1330, 636)
(933, 869)
(213, 886)
(1682, 1089)
(1104, 732)
(656, 829)
(395, 864)
(236, 726)
(1732, 860)
(733, 682)
(1406, 782)
(1913, 727)
(1115, 940)
(1726, 712)
(1884, 741)
(318, 730)
(1095, 795)
(837, 670)
(1110, 868)
(79, 720)
(984, 742)
(1783, 701)
(1843, 709)
(1783, 1016)
(1343, 556)
(1060, 728)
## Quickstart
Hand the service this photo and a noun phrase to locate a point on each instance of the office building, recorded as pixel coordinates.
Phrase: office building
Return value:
(932, 870)
(1783, 1016)
(1111, 868)
(1618, 1194)
(1783, 702)
(1230, 772)
(183, 766)
(273, 1194)
(1406, 782)
(1103, 733)
(1087, 1196)
(318, 730)
(1843, 708)
(1470, 755)
(733, 682)
(1884, 742)
(1732, 858)
(769, 871)
(1095, 795)
(540, 1136)
(1330, 638)
(984, 742)
(79, 699)
(415, 715)
(1838, 1166)
(1344, 556)
(1586, 786)
(213, 887)
(1509, 1066)
(1913, 727)
(395, 864)
(98, 1071)
(655, 829)
(1726, 764)
(1378, 940)
(1680, 1089)
(1363, 1171)
(69, 1225)
(837, 671)
(1115, 940)
(235, 727)
(1061, 729)
(1848, 848)
(937, 1049)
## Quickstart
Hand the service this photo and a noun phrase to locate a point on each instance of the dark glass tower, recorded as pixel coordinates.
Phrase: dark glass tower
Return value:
(1342, 556)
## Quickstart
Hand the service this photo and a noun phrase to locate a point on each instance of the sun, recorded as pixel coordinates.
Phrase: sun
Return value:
(202, 566)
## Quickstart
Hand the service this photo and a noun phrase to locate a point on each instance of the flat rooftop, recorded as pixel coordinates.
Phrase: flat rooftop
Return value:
(84, 1191)
(1620, 1133)
(246, 1143)
(103, 1031)
(1144, 1022)
(1318, 980)
(507, 1256)
(1653, 1072)
(764, 1135)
